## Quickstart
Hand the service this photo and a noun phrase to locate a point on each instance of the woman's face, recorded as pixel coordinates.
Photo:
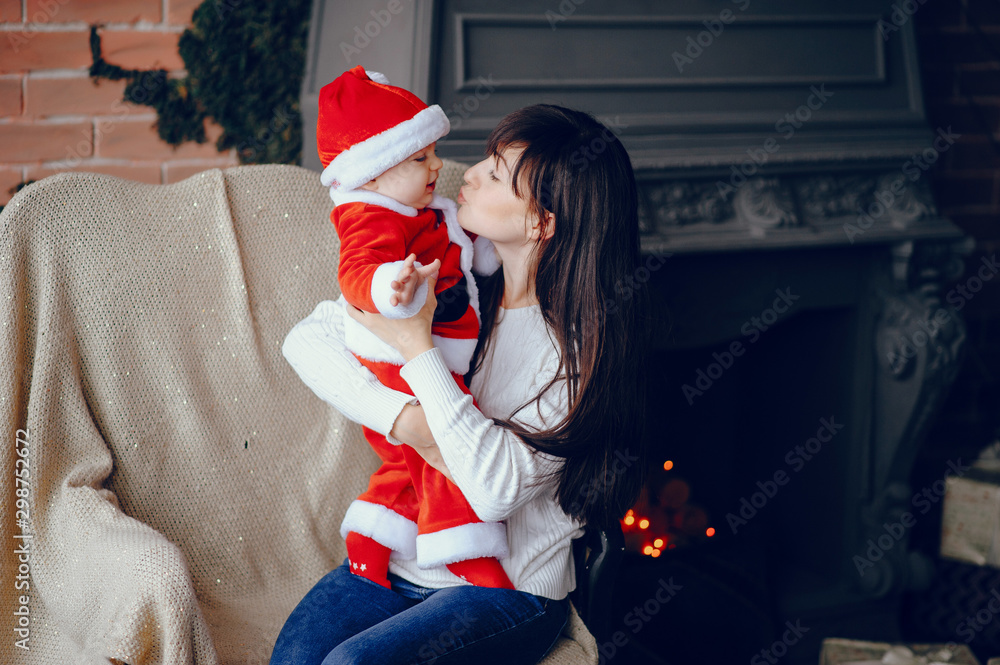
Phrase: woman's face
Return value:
(488, 206)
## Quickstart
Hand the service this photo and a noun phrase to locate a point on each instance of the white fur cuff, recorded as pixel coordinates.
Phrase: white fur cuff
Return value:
(384, 276)
(459, 543)
(381, 525)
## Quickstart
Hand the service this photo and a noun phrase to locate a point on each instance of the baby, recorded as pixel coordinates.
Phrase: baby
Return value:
(376, 143)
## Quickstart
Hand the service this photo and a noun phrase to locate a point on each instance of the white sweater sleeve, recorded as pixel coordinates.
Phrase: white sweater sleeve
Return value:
(495, 469)
(315, 349)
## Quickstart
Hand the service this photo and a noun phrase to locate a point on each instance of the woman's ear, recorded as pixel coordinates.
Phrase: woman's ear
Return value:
(550, 227)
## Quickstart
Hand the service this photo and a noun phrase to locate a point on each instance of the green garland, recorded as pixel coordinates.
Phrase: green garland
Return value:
(244, 61)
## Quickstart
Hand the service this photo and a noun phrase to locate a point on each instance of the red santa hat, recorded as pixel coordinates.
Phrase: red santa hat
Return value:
(366, 126)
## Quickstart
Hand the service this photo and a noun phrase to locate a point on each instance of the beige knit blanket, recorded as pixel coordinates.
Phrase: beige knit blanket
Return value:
(170, 489)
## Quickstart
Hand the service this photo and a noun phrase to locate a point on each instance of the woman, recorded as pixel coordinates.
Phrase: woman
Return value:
(556, 376)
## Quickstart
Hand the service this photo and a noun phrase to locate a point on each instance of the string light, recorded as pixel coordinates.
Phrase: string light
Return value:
(658, 542)
(710, 531)
(668, 465)
(648, 549)
(654, 553)
(643, 523)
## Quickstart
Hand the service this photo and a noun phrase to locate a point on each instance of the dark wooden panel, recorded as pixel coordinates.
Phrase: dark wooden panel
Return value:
(849, 89)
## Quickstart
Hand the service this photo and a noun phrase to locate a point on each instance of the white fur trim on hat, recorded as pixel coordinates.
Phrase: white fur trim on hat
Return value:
(463, 542)
(382, 291)
(378, 77)
(381, 525)
(372, 157)
(340, 197)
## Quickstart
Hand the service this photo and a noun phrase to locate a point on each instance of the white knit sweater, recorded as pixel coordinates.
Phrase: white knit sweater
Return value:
(498, 473)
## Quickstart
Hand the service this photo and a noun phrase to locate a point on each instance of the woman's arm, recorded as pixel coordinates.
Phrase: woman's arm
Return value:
(494, 468)
(315, 350)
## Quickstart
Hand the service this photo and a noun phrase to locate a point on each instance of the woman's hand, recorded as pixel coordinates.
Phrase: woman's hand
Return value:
(411, 336)
(411, 428)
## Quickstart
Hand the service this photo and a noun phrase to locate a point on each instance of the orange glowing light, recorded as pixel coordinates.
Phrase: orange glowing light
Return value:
(654, 553)
(658, 542)
(629, 520)
(668, 465)
(643, 523)
(710, 532)
(648, 549)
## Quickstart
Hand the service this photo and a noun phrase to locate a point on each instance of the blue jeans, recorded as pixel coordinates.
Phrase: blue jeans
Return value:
(346, 618)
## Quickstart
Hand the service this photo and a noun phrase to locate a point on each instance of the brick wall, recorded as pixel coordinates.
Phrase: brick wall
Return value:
(959, 42)
(53, 117)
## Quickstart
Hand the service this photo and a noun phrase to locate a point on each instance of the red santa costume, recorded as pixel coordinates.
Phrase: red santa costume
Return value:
(365, 126)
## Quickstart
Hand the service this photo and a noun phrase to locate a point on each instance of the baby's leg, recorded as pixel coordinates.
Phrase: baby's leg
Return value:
(383, 517)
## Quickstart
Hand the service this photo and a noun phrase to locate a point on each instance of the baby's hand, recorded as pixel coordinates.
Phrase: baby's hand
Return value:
(408, 279)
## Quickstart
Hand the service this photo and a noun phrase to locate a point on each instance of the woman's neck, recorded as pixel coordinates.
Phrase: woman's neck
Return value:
(517, 292)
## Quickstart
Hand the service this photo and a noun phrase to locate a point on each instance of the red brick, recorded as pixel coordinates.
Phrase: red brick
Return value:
(179, 11)
(178, 172)
(10, 11)
(9, 179)
(27, 50)
(134, 49)
(10, 97)
(93, 11)
(137, 139)
(24, 142)
(76, 96)
(148, 173)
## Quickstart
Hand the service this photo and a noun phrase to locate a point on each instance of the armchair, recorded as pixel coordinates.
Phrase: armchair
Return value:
(184, 489)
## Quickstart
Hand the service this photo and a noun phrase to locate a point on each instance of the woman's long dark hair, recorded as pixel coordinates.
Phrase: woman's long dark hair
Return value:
(577, 169)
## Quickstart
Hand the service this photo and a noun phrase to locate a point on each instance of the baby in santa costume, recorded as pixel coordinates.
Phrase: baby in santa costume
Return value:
(376, 143)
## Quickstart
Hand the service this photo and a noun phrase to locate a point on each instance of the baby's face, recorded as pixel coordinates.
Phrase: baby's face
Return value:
(411, 182)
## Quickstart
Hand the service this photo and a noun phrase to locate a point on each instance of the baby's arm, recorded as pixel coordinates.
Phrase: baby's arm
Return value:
(495, 469)
(373, 252)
